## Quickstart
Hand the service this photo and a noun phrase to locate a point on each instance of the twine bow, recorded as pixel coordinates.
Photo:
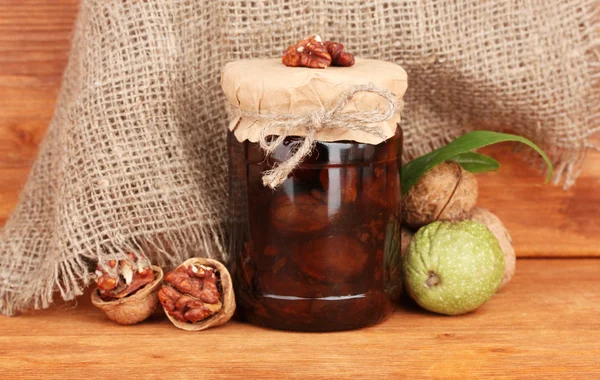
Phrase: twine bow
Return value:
(321, 119)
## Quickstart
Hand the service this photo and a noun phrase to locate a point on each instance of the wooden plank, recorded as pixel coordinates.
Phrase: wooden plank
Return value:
(34, 42)
(543, 218)
(543, 325)
(34, 45)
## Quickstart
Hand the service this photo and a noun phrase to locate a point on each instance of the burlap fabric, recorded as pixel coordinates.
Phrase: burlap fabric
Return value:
(135, 156)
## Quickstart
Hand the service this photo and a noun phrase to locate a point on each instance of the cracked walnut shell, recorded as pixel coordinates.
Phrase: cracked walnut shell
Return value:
(132, 308)
(198, 294)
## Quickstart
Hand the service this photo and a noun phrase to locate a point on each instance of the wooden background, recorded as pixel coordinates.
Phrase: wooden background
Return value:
(34, 45)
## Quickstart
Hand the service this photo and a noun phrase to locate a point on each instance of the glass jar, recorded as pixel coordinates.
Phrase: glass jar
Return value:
(309, 255)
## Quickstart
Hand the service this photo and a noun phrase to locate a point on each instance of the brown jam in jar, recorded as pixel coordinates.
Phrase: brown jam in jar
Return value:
(309, 255)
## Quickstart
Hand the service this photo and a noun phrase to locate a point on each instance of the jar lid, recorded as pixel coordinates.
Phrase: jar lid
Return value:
(267, 87)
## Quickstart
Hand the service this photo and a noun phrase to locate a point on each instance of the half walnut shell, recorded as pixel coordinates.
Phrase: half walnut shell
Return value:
(134, 308)
(198, 294)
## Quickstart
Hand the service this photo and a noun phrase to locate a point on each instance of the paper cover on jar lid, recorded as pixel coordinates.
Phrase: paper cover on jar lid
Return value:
(266, 86)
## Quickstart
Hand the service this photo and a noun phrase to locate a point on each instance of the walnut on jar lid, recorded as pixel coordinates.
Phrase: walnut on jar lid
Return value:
(312, 52)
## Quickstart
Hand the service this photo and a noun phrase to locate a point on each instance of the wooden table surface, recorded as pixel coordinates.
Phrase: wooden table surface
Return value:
(544, 325)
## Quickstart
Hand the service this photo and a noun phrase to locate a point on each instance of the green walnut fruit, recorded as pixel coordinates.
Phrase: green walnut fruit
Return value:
(453, 267)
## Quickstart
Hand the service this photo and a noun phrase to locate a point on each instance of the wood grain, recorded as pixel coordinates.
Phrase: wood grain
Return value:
(543, 325)
(34, 43)
(543, 220)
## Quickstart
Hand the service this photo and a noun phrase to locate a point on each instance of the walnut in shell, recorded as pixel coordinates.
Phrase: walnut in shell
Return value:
(493, 223)
(132, 307)
(446, 192)
(198, 294)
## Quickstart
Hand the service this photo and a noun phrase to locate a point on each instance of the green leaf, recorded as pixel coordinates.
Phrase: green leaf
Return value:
(476, 162)
(413, 170)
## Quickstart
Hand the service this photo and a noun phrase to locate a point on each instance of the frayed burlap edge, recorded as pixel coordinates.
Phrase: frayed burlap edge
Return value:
(167, 249)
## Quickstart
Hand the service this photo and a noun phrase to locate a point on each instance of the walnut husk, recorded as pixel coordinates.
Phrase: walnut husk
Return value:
(493, 223)
(134, 308)
(446, 192)
(228, 298)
